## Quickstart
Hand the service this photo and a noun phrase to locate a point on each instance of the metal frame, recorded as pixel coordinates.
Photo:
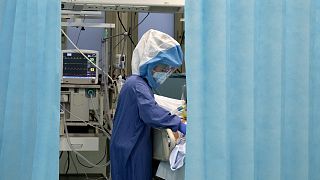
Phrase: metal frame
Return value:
(94, 25)
(124, 5)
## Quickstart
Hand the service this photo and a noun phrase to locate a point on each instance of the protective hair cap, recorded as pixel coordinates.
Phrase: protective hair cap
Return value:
(154, 48)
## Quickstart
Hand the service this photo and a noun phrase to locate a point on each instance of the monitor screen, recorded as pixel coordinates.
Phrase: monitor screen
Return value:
(76, 66)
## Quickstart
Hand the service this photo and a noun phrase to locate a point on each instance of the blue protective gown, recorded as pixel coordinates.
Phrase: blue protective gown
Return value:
(131, 142)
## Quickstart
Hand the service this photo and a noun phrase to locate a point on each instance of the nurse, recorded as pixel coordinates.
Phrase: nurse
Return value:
(154, 59)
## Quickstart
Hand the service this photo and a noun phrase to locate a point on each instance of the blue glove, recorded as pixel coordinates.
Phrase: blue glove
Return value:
(182, 128)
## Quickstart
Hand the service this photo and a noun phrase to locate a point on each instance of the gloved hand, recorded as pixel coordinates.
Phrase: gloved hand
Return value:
(182, 128)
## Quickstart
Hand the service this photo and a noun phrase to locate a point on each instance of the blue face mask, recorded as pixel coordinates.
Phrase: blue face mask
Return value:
(160, 77)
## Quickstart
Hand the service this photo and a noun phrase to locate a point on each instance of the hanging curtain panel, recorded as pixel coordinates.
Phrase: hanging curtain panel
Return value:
(253, 79)
(29, 91)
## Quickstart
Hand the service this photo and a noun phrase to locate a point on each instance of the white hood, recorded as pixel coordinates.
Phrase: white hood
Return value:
(150, 45)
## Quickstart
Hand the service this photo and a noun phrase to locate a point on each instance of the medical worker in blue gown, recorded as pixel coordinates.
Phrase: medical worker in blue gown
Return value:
(156, 56)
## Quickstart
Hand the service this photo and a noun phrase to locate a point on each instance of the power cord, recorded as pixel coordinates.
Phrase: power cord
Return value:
(74, 164)
(103, 157)
(126, 33)
(119, 42)
(129, 35)
(81, 29)
(86, 123)
(135, 28)
(68, 159)
(75, 151)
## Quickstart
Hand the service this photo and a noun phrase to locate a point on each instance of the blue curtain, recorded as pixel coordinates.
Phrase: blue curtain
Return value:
(253, 77)
(29, 93)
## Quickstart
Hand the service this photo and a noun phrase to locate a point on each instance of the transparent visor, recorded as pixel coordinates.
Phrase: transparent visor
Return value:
(164, 68)
(162, 72)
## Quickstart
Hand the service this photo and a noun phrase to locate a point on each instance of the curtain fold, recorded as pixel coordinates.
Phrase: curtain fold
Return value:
(253, 79)
(30, 86)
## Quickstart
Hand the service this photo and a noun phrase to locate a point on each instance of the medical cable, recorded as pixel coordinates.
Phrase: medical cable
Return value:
(68, 160)
(125, 29)
(97, 178)
(104, 155)
(78, 36)
(65, 164)
(124, 43)
(118, 42)
(121, 34)
(82, 28)
(86, 56)
(89, 124)
(107, 131)
(107, 105)
(74, 164)
(134, 28)
(94, 108)
(99, 117)
(86, 123)
(87, 178)
(182, 39)
(76, 152)
(100, 178)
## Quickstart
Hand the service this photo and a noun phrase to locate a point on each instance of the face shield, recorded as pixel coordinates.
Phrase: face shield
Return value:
(161, 72)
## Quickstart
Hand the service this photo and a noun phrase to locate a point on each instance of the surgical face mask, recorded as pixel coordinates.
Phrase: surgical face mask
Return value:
(160, 77)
